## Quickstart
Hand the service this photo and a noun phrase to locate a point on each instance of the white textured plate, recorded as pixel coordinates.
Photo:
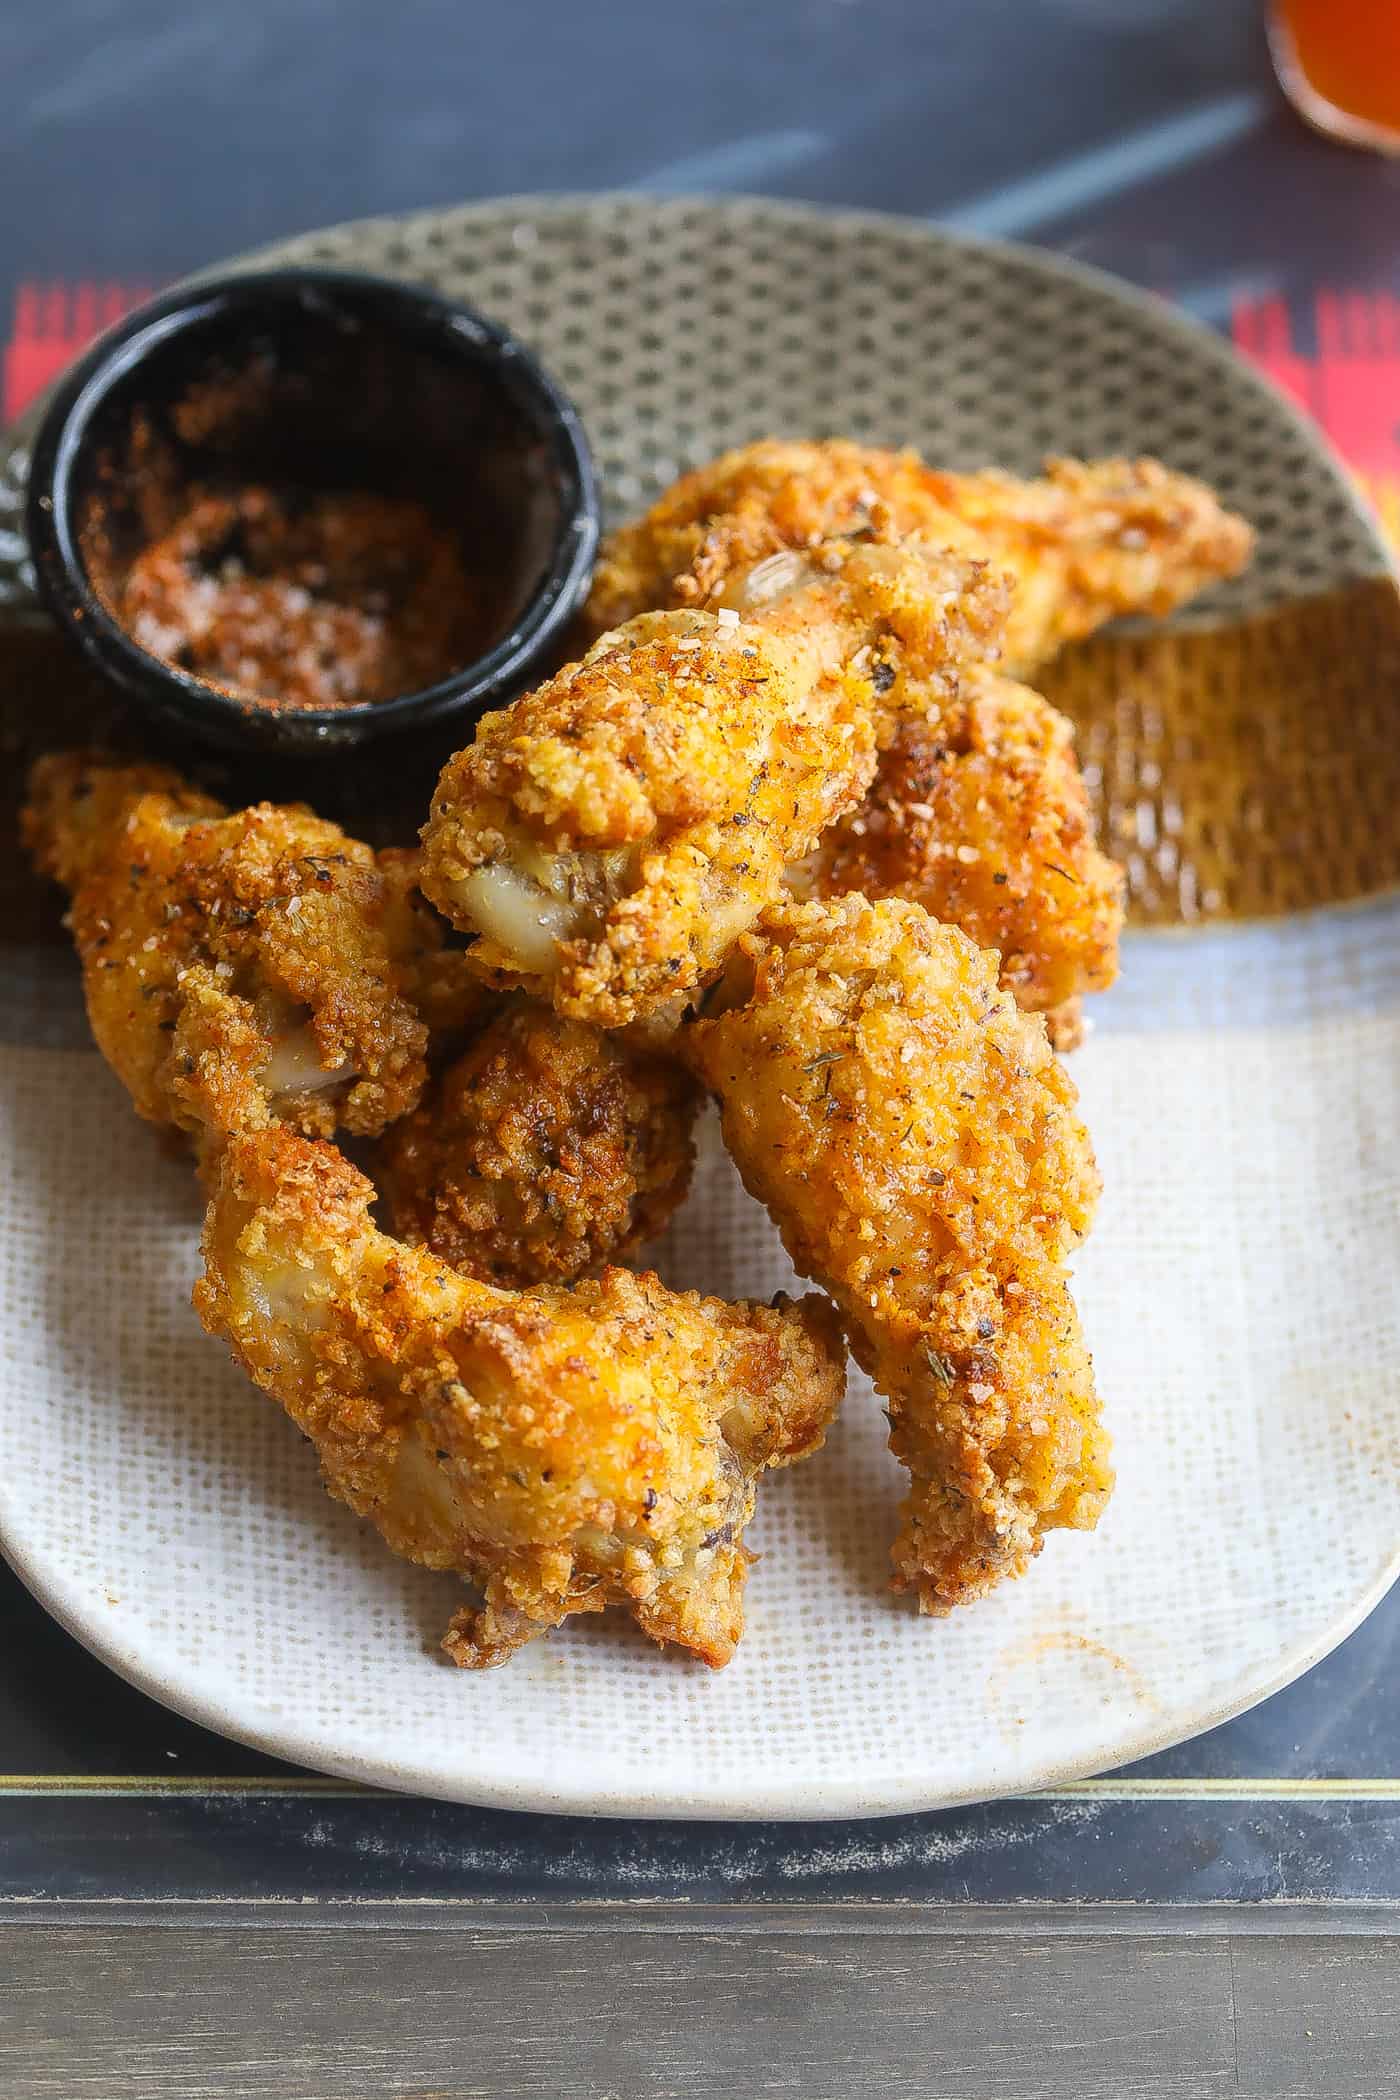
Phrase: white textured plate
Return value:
(1241, 1292)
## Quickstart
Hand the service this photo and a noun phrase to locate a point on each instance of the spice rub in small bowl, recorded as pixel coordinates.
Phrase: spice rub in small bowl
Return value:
(319, 600)
(305, 508)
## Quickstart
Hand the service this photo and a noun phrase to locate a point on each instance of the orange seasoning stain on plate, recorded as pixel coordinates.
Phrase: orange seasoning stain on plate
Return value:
(1102, 1676)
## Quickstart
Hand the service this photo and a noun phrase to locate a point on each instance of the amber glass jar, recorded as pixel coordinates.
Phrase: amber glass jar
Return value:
(1339, 62)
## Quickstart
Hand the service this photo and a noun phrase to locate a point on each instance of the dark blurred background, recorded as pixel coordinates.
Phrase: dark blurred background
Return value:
(140, 139)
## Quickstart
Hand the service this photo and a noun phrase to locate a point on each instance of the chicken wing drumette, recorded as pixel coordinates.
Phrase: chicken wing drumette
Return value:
(982, 817)
(546, 1151)
(243, 966)
(1087, 542)
(918, 1147)
(610, 835)
(564, 1449)
(978, 809)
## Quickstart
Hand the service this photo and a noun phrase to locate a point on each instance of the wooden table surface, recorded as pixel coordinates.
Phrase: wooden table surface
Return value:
(709, 2011)
(178, 1917)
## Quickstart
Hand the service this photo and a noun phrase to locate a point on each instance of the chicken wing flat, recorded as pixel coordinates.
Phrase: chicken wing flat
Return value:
(1085, 543)
(243, 966)
(917, 1145)
(981, 816)
(564, 1449)
(546, 1151)
(610, 835)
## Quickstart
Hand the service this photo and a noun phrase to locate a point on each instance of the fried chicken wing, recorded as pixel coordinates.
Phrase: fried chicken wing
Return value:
(248, 965)
(610, 835)
(918, 1147)
(982, 817)
(978, 810)
(1087, 542)
(546, 1151)
(564, 1449)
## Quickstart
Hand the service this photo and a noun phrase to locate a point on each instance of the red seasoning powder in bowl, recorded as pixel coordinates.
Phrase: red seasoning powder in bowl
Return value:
(302, 600)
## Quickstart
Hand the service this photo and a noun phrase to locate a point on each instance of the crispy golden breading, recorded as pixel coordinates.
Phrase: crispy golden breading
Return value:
(546, 1151)
(982, 817)
(565, 1449)
(918, 1147)
(247, 965)
(79, 803)
(1084, 544)
(1065, 1025)
(611, 834)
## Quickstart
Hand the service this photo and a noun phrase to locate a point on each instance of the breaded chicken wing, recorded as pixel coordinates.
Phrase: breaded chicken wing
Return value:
(564, 1449)
(243, 966)
(610, 835)
(918, 1147)
(1084, 544)
(982, 817)
(546, 1151)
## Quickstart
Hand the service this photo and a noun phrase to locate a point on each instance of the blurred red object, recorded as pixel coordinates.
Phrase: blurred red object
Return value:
(1339, 62)
(52, 324)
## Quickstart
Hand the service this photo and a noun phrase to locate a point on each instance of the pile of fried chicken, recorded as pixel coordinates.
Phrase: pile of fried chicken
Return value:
(791, 833)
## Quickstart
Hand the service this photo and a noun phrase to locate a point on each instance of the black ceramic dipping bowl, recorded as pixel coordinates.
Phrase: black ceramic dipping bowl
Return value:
(323, 382)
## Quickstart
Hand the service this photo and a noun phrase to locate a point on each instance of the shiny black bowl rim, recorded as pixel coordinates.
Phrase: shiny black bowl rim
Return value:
(65, 589)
